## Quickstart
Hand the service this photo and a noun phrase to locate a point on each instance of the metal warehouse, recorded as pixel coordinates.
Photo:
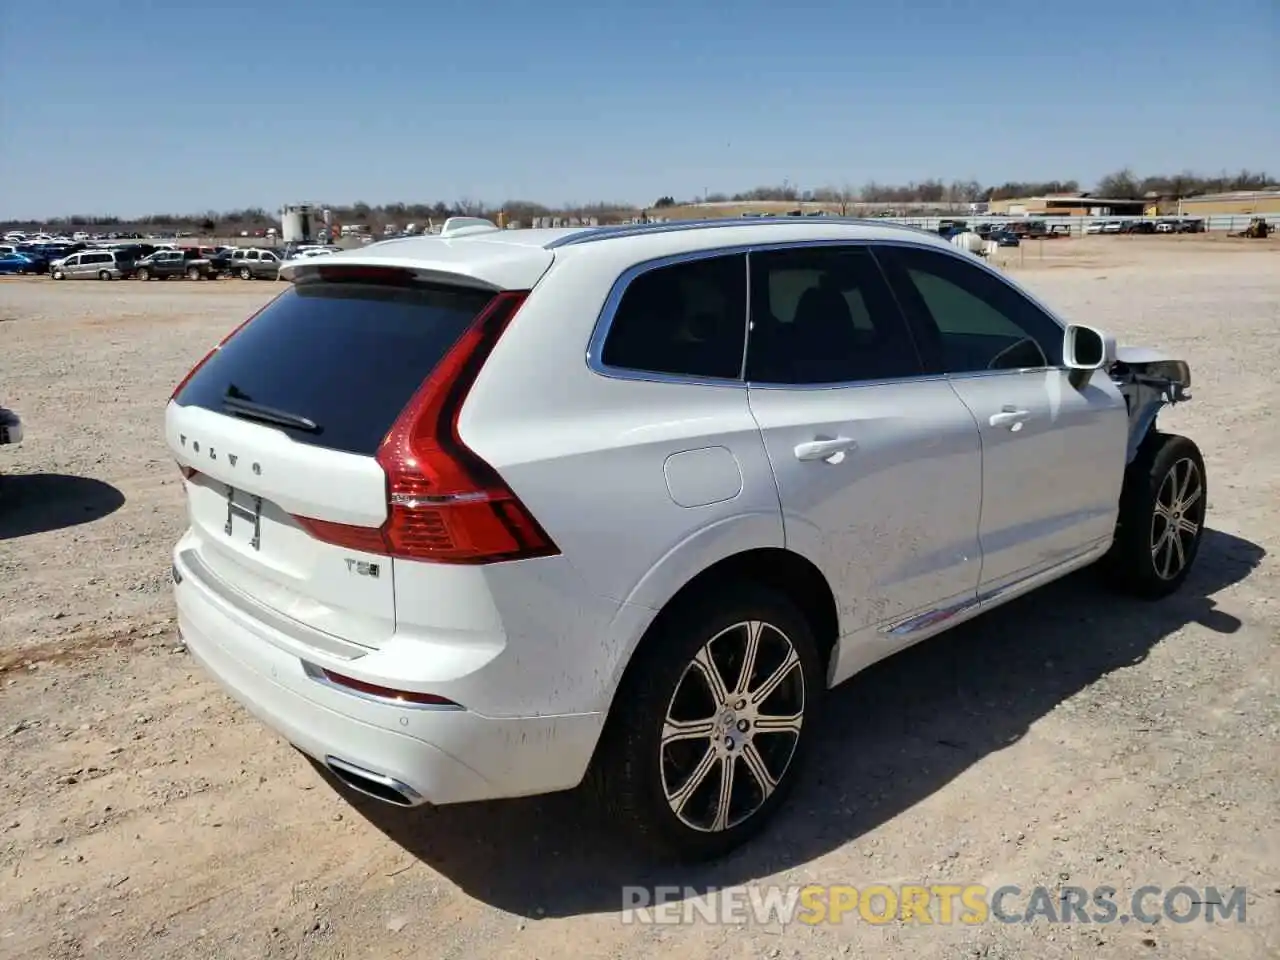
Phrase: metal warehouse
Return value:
(1238, 202)
(1062, 205)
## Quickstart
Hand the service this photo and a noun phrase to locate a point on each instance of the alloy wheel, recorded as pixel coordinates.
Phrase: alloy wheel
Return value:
(1176, 520)
(732, 726)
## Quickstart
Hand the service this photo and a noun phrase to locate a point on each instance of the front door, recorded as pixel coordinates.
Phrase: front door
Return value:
(878, 467)
(1053, 453)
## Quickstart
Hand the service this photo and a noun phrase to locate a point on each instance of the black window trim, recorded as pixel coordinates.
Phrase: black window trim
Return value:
(604, 319)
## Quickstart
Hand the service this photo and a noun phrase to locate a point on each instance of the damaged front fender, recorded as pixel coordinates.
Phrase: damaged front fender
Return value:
(1149, 379)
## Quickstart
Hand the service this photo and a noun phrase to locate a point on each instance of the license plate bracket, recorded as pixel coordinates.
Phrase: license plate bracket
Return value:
(250, 511)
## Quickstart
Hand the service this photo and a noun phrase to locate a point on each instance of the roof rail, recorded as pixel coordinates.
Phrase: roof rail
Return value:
(461, 226)
(592, 234)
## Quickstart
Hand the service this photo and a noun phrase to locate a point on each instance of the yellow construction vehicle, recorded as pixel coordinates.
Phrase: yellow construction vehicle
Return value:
(1258, 229)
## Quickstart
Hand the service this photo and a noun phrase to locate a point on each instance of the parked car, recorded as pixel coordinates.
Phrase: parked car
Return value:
(92, 265)
(537, 507)
(175, 263)
(251, 263)
(1004, 238)
(1094, 227)
(16, 263)
(1166, 226)
(10, 427)
(1112, 226)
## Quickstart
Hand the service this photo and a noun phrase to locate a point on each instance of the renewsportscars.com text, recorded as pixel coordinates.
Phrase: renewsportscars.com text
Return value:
(942, 904)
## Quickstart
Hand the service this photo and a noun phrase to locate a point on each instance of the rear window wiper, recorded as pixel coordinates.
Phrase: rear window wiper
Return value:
(252, 410)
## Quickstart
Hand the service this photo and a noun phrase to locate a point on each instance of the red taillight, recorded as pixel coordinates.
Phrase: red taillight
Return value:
(387, 693)
(444, 503)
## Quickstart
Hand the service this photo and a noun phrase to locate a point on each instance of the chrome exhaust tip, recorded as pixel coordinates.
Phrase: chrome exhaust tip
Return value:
(372, 784)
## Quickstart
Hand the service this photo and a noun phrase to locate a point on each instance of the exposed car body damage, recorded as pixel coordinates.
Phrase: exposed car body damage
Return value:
(1149, 379)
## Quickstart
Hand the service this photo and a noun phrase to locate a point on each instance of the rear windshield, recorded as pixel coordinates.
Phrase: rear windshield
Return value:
(346, 356)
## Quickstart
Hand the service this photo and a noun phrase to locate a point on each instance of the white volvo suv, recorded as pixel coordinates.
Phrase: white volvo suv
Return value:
(491, 513)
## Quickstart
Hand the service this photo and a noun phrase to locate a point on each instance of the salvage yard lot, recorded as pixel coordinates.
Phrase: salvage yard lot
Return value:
(1069, 738)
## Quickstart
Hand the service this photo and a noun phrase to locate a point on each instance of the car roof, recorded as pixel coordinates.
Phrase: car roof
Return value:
(516, 259)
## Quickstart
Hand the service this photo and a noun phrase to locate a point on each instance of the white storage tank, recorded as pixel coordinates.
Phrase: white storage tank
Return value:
(296, 222)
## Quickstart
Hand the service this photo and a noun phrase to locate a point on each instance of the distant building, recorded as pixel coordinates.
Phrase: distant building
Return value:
(1061, 205)
(1237, 202)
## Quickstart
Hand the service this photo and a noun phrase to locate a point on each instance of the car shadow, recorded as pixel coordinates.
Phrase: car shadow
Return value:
(43, 502)
(922, 718)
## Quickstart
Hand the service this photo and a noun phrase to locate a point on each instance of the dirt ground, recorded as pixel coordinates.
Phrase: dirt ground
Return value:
(1070, 738)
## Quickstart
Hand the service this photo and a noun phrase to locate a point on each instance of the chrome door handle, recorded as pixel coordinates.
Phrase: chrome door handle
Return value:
(828, 450)
(1011, 418)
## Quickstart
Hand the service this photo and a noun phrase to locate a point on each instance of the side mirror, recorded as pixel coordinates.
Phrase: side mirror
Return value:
(1084, 348)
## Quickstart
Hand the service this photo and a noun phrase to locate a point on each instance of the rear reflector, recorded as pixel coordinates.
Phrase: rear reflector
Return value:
(387, 693)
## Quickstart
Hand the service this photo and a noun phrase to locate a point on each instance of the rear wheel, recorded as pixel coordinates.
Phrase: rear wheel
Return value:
(193, 273)
(709, 727)
(1161, 522)
(104, 274)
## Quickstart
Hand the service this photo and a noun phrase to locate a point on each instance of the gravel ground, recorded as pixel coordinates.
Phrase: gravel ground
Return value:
(1066, 739)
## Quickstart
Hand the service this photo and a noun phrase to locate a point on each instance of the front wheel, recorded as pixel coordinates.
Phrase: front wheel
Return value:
(710, 724)
(58, 275)
(193, 274)
(104, 274)
(1161, 522)
(143, 274)
(246, 273)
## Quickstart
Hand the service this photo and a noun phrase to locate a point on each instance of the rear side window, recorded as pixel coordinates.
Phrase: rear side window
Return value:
(346, 356)
(688, 319)
(825, 315)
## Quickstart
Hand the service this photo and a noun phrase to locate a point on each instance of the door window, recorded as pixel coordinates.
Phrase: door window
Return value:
(825, 315)
(688, 319)
(970, 320)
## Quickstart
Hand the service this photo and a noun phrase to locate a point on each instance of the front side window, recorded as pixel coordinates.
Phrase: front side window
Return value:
(971, 320)
(687, 319)
(825, 315)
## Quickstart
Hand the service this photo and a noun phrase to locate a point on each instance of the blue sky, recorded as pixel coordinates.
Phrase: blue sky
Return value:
(116, 106)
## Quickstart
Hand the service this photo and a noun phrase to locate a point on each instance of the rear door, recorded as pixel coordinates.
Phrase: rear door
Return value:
(1053, 453)
(283, 422)
(268, 265)
(878, 466)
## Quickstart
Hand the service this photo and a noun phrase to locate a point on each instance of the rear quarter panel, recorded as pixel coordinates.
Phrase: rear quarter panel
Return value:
(589, 455)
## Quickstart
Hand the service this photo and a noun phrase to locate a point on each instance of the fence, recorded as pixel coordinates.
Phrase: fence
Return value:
(1077, 226)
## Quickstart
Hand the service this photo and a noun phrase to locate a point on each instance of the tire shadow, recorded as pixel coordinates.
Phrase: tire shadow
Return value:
(922, 717)
(43, 502)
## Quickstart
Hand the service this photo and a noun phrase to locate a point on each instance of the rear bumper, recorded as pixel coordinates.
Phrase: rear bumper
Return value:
(422, 754)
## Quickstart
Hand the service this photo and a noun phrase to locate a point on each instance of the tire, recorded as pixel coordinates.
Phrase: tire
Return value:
(193, 273)
(634, 772)
(58, 275)
(1164, 488)
(143, 274)
(104, 274)
(246, 273)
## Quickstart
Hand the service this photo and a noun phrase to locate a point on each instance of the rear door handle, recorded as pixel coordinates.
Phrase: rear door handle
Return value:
(825, 449)
(1010, 417)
